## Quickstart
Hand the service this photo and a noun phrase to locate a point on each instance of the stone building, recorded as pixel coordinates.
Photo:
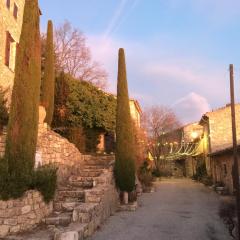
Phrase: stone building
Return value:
(218, 134)
(183, 149)
(11, 16)
(106, 140)
(135, 111)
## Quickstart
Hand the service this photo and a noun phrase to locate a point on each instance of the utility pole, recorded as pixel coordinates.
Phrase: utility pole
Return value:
(235, 153)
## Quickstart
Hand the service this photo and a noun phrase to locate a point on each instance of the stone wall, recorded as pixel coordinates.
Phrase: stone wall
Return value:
(13, 26)
(221, 127)
(222, 169)
(22, 214)
(54, 149)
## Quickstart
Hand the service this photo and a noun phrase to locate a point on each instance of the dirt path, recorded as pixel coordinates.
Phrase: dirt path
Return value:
(179, 210)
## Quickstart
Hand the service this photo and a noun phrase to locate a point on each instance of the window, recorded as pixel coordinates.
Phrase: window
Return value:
(9, 41)
(15, 11)
(8, 3)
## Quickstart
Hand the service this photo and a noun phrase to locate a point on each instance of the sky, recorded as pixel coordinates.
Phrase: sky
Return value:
(177, 51)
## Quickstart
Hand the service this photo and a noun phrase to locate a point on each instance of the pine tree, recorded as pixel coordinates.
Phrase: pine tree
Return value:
(48, 83)
(125, 154)
(23, 120)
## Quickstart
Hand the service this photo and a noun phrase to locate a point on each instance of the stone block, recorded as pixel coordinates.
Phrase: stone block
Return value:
(4, 230)
(26, 209)
(3, 204)
(73, 235)
(15, 229)
(11, 221)
(10, 204)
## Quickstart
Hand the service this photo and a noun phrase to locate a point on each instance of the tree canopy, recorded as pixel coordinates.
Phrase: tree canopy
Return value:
(82, 104)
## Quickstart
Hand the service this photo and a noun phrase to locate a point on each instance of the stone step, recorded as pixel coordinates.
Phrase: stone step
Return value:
(96, 163)
(70, 195)
(85, 212)
(65, 206)
(85, 184)
(59, 219)
(90, 173)
(84, 229)
(94, 195)
(95, 167)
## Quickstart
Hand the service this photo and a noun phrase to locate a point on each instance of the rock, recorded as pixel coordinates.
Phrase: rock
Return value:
(4, 229)
(69, 206)
(26, 209)
(66, 236)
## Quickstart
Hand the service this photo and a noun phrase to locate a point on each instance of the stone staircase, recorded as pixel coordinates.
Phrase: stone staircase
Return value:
(86, 200)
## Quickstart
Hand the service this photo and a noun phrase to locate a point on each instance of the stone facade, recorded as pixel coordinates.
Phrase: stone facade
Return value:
(135, 111)
(9, 24)
(222, 169)
(22, 214)
(220, 128)
(181, 138)
(218, 140)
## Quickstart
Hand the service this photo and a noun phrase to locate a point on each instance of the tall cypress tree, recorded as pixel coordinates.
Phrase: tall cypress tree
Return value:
(125, 154)
(48, 83)
(23, 120)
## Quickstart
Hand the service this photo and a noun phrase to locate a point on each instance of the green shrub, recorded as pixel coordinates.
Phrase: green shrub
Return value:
(156, 173)
(12, 186)
(145, 175)
(125, 143)
(201, 172)
(44, 180)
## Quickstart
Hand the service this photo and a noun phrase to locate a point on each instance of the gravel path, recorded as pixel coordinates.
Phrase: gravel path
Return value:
(179, 210)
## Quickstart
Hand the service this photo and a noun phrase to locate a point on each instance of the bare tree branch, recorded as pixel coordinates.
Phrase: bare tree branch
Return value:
(74, 57)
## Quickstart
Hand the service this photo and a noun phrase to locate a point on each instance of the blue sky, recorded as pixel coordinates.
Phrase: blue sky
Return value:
(177, 51)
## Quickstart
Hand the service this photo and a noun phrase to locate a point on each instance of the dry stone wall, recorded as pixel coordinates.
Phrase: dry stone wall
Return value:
(22, 214)
(54, 149)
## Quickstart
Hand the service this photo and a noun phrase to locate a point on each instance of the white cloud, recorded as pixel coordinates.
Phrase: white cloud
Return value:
(191, 107)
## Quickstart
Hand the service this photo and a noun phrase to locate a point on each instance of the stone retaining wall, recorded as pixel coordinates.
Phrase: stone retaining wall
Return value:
(53, 148)
(22, 214)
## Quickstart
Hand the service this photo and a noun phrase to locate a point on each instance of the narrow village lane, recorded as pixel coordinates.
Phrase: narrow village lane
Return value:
(179, 210)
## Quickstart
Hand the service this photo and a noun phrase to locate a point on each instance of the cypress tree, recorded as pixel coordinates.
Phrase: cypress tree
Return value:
(125, 154)
(48, 83)
(23, 120)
